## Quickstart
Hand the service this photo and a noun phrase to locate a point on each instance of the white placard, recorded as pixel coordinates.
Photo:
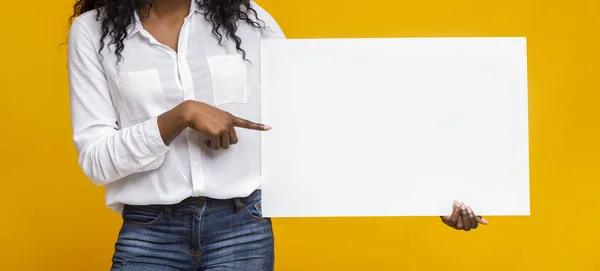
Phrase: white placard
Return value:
(394, 127)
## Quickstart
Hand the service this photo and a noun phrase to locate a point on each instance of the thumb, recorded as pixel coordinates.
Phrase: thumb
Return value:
(481, 220)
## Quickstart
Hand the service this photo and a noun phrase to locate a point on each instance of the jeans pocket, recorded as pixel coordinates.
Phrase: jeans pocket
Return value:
(143, 215)
(253, 209)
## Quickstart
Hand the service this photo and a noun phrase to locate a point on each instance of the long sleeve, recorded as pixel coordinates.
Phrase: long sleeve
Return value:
(106, 153)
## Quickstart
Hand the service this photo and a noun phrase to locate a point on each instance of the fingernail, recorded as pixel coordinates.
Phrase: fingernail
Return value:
(462, 205)
(456, 203)
(469, 209)
(267, 127)
(484, 221)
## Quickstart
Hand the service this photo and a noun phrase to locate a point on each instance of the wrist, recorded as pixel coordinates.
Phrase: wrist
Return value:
(184, 113)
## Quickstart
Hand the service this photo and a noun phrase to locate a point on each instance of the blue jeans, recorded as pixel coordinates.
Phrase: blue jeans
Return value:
(196, 234)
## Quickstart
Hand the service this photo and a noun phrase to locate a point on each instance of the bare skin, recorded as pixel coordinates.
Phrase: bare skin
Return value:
(218, 125)
(164, 20)
(463, 218)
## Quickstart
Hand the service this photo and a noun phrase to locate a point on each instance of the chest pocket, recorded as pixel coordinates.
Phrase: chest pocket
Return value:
(141, 94)
(229, 79)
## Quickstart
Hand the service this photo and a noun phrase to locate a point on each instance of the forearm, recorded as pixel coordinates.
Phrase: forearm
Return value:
(107, 156)
(173, 122)
(106, 151)
(113, 155)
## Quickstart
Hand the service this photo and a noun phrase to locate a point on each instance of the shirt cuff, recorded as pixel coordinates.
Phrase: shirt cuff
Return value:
(152, 138)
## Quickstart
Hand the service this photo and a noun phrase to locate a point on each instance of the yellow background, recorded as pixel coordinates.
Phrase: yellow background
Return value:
(52, 218)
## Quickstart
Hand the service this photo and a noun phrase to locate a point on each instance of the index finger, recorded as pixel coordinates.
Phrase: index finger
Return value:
(242, 123)
(472, 217)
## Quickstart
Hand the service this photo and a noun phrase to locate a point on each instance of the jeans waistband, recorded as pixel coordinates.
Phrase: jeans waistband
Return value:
(212, 203)
(203, 203)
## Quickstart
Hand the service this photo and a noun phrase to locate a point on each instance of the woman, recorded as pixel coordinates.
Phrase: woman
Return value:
(158, 89)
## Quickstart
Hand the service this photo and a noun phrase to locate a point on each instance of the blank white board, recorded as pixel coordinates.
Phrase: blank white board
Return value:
(394, 127)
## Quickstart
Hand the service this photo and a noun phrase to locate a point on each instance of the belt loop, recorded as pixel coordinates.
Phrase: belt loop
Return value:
(238, 205)
(168, 212)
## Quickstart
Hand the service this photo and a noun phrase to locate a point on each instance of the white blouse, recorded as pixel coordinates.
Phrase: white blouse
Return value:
(114, 109)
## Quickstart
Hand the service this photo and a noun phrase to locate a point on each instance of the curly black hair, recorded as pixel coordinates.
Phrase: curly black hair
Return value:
(117, 15)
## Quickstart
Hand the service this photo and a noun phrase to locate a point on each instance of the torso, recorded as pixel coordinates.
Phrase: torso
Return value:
(162, 66)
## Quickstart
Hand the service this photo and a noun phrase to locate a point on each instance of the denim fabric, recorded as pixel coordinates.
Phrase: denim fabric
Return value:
(196, 234)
